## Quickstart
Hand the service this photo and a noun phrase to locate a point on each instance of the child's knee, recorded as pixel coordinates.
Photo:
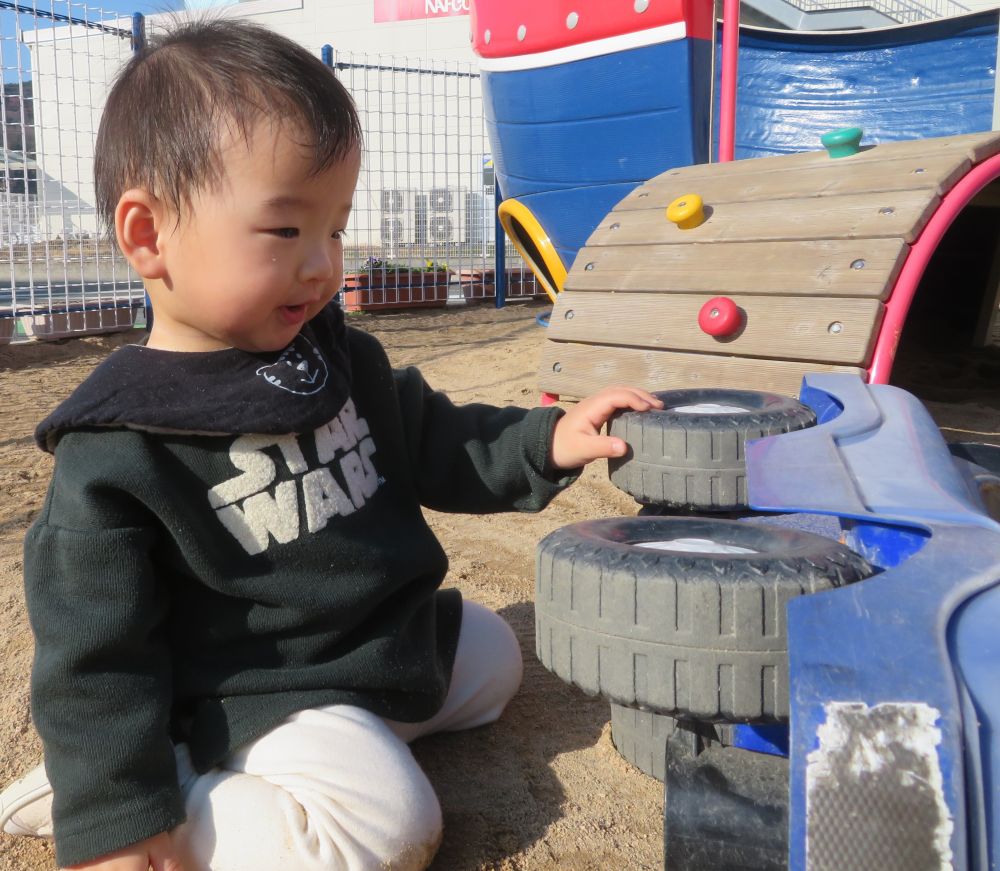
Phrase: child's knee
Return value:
(492, 648)
(333, 788)
(417, 831)
(239, 822)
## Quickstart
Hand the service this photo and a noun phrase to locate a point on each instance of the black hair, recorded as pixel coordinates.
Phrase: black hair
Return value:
(164, 119)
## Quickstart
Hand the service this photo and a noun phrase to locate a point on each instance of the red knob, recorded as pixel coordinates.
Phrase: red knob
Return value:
(720, 317)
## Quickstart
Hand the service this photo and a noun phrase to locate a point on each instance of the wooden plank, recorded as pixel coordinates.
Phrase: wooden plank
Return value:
(573, 370)
(937, 174)
(896, 214)
(977, 147)
(827, 329)
(854, 267)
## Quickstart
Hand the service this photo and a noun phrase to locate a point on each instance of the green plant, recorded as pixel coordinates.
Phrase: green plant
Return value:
(431, 266)
(377, 264)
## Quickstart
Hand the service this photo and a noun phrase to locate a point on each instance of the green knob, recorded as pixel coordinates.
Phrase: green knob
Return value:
(842, 143)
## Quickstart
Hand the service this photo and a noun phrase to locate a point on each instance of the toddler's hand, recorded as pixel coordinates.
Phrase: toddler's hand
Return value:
(577, 438)
(156, 853)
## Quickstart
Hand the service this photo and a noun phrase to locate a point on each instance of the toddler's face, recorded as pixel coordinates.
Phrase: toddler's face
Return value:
(260, 254)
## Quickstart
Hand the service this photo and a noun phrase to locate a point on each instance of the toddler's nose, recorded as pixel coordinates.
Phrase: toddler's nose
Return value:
(318, 265)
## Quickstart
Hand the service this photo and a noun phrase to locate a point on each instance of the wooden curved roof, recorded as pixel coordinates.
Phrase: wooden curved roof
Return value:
(807, 246)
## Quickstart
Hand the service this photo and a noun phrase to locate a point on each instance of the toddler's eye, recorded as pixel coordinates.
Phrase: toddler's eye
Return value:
(339, 234)
(285, 232)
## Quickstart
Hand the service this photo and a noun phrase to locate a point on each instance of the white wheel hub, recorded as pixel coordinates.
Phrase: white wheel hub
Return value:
(709, 408)
(695, 545)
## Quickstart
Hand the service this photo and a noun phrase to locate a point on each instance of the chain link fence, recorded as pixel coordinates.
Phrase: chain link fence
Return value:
(903, 11)
(58, 277)
(423, 230)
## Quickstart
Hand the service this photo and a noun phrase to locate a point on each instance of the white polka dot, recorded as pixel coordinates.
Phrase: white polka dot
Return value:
(641, 5)
(572, 20)
(487, 37)
(522, 32)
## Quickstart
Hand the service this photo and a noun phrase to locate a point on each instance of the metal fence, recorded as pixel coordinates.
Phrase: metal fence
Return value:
(903, 11)
(423, 229)
(57, 276)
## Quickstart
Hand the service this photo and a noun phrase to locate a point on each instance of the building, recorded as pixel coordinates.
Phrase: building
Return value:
(425, 141)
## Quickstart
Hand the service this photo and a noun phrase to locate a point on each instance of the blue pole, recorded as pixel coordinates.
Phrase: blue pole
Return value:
(500, 253)
(326, 55)
(138, 32)
(138, 44)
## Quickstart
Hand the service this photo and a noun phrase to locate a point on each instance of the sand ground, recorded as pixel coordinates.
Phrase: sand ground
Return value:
(541, 789)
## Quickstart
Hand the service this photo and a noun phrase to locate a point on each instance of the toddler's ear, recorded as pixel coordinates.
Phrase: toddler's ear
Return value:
(139, 218)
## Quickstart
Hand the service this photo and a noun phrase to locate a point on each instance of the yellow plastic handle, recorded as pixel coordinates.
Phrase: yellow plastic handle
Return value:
(522, 226)
(686, 212)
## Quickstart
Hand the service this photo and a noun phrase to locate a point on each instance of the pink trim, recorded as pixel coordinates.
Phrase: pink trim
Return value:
(921, 251)
(549, 399)
(727, 95)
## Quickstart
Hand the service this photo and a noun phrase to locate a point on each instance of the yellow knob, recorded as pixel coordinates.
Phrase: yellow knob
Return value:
(686, 211)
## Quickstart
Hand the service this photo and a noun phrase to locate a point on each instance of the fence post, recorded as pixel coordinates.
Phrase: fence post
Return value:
(138, 32)
(500, 246)
(326, 55)
(138, 44)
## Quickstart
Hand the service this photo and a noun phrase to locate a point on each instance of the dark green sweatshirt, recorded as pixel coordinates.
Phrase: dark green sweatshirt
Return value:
(189, 582)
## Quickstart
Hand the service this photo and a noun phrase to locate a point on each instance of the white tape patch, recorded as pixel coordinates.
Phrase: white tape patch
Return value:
(874, 790)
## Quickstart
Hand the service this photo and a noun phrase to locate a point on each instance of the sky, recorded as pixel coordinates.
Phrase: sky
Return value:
(9, 20)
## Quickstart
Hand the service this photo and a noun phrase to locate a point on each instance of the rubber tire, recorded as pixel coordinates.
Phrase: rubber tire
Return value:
(697, 460)
(692, 634)
(640, 737)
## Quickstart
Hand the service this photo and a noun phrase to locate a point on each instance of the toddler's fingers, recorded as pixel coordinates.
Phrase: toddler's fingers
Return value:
(600, 447)
(163, 858)
(630, 396)
(608, 401)
(641, 400)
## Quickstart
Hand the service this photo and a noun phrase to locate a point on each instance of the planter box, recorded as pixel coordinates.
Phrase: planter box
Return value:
(8, 329)
(65, 324)
(481, 283)
(364, 291)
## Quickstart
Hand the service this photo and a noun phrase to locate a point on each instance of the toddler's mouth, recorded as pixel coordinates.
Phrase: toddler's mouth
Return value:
(293, 314)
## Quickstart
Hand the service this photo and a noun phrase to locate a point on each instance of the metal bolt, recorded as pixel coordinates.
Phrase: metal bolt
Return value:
(919, 170)
(858, 264)
(835, 327)
(641, 5)
(569, 315)
(487, 37)
(572, 20)
(589, 267)
(522, 32)
(557, 367)
(614, 226)
(714, 313)
(888, 210)
(643, 196)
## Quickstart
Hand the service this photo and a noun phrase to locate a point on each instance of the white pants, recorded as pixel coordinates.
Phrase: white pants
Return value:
(337, 788)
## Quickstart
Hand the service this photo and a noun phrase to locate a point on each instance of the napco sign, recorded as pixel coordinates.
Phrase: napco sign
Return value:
(407, 10)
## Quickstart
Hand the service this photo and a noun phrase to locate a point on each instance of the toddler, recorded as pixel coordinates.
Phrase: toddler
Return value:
(234, 595)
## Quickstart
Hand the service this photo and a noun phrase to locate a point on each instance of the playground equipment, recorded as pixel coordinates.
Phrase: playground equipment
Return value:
(873, 638)
(599, 122)
(584, 104)
(801, 263)
(880, 653)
